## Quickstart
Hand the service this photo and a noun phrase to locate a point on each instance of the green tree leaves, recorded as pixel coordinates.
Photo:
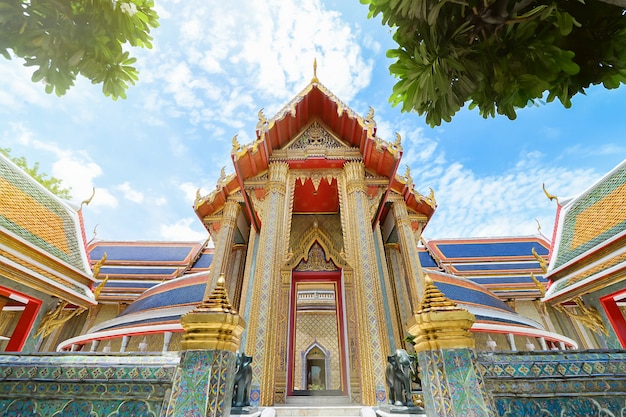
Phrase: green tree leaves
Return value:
(500, 55)
(63, 39)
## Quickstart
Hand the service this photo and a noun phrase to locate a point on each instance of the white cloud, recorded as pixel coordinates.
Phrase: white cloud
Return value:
(182, 230)
(189, 190)
(130, 193)
(223, 56)
(103, 198)
(77, 171)
(499, 205)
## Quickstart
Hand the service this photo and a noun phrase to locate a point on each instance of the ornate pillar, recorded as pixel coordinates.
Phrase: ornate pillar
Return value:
(235, 284)
(410, 254)
(451, 382)
(203, 383)
(395, 327)
(261, 337)
(360, 245)
(399, 285)
(222, 228)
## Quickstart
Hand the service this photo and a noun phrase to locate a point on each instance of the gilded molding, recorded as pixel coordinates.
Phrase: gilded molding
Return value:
(238, 150)
(221, 182)
(439, 323)
(354, 172)
(542, 262)
(291, 187)
(316, 176)
(277, 180)
(55, 319)
(214, 324)
(301, 250)
(262, 123)
(538, 284)
(588, 316)
(259, 205)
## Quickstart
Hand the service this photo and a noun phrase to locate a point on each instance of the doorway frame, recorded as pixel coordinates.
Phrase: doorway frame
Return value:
(325, 277)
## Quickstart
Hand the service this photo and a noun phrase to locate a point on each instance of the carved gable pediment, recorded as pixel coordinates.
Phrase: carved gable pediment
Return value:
(315, 137)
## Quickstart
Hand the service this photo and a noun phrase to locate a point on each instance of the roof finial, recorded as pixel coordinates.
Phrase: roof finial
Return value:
(550, 196)
(315, 80)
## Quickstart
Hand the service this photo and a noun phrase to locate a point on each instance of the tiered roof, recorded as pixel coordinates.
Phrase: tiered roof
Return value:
(504, 264)
(590, 245)
(355, 139)
(134, 267)
(41, 244)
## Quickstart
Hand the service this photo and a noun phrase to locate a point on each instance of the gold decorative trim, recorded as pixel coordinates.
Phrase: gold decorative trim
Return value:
(301, 251)
(55, 319)
(439, 323)
(550, 196)
(538, 284)
(542, 262)
(214, 324)
(588, 316)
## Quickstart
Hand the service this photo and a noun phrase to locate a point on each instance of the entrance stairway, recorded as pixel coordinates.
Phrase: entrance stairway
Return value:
(323, 406)
(318, 410)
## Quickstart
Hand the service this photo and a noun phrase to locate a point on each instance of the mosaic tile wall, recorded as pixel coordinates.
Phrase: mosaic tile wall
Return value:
(60, 385)
(451, 384)
(202, 384)
(556, 384)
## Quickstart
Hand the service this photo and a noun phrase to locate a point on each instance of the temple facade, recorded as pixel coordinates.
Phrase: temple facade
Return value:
(318, 238)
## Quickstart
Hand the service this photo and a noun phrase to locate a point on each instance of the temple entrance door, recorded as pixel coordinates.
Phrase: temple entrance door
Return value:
(316, 356)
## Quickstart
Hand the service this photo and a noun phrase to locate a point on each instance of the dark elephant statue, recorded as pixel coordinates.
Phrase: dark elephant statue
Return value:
(398, 375)
(243, 378)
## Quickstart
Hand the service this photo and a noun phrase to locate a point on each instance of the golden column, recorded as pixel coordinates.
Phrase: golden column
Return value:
(360, 244)
(224, 240)
(451, 383)
(261, 337)
(410, 254)
(399, 290)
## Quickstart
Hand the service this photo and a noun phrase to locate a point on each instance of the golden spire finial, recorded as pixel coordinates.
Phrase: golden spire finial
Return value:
(98, 265)
(550, 196)
(86, 202)
(434, 299)
(539, 284)
(542, 262)
(262, 120)
(218, 300)
(398, 142)
(408, 180)
(236, 146)
(315, 80)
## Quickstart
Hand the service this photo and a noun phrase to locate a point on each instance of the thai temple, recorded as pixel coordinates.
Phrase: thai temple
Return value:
(314, 244)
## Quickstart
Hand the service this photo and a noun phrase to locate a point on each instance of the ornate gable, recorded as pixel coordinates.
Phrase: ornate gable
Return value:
(315, 138)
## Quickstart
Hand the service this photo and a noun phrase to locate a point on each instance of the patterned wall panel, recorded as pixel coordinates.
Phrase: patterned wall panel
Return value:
(60, 385)
(556, 384)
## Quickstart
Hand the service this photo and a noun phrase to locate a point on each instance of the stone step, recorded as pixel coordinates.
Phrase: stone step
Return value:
(312, 411)
(318, 401)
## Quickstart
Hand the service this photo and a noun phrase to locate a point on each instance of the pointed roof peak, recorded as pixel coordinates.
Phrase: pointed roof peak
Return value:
(314, 79)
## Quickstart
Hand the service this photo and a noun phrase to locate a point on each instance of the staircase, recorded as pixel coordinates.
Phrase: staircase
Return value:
(318, 410)
(323, 406)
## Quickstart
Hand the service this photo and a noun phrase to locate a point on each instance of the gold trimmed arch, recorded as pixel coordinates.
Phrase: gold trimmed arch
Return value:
(301, 250)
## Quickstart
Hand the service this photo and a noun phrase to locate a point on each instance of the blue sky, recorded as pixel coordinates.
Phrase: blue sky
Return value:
(215, 64)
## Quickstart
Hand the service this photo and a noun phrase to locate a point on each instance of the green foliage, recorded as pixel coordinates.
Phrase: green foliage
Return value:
(500, 55)
(64, 38)
(53, 184)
